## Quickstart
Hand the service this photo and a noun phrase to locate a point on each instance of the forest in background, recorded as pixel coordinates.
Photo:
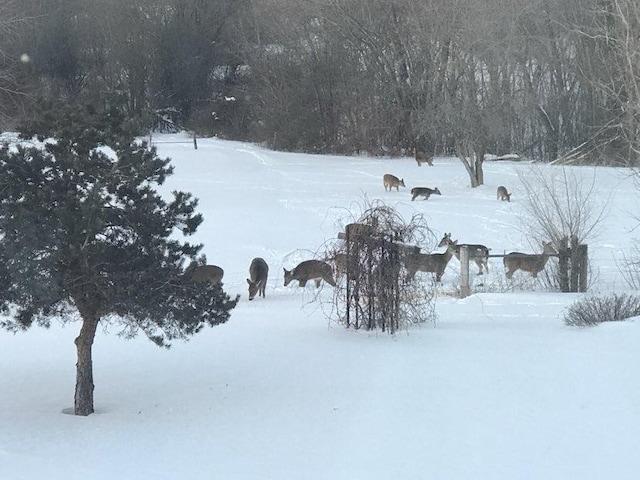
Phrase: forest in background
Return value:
(545, 79)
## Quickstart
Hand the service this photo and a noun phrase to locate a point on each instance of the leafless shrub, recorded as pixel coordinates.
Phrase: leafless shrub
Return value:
(373, 292)
(630, 268)
(560, 204)
(630, 265)
(594, 310)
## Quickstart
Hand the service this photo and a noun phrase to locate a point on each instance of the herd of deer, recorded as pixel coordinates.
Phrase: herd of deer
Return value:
(390, 181)
(436, 263)
(258, 272)
(414, 261)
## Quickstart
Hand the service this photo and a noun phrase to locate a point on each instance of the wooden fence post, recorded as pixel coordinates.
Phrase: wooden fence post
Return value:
(575, 265)
(583, 255)
(464, 271)
(563, 264)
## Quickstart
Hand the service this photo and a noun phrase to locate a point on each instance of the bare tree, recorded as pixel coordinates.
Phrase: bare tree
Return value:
(607, 48)
(11, 60)
(563, 207)
(561, 202)
(384, 77)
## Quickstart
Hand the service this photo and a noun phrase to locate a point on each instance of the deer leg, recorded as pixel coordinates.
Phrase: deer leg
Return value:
(509, 274)
(317, 280)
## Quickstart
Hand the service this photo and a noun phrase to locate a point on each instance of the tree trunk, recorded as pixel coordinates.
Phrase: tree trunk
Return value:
(472, 159)
(479, 152)
(479, 172)
(83, 401)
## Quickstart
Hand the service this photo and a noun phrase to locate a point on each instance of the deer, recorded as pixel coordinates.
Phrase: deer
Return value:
(315, 270)
(434, 262)
(532, 263)
(258, 272)
(425, 192)
(204, 273)
(478, 253)
(389, 181)
(422, 157)
(502, 194)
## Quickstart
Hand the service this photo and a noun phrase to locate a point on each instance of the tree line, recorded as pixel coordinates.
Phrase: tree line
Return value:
(545, 79)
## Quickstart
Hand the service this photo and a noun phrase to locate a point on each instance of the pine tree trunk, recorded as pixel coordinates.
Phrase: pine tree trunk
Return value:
(83, 401)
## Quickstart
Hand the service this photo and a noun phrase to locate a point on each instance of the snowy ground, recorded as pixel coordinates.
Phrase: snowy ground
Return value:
(498, 388)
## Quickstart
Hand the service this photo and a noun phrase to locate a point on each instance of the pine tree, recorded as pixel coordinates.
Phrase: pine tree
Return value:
(84, 234)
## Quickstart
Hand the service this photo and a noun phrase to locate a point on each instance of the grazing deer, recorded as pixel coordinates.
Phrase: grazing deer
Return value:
(502, 194)
(434, 262)
(532, 263)
(422, 157)
(204, 273)
(389, 181)
(425, 192)
(258, 272)
(310, 270)
(478, 253)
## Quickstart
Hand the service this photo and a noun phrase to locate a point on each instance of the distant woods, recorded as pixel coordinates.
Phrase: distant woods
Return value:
(541, 78)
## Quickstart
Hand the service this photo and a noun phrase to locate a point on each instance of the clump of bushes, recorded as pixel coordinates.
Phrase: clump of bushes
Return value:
(593, 310)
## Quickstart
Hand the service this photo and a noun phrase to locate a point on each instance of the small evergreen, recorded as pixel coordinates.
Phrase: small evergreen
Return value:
(84, 233)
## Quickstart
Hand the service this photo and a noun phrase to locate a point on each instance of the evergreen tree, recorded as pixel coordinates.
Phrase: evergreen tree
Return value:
(84, 234)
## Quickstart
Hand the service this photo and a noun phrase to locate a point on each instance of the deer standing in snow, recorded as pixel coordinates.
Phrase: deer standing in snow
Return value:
(424, 262)
(532, 263)
(478, 253)
(315, 270)
(422, 157)
(204, 273)
(502, 194)
(389, 181)
(258, 273)
(425, 192)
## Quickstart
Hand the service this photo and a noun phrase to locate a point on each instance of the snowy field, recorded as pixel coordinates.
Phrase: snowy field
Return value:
(497, 388)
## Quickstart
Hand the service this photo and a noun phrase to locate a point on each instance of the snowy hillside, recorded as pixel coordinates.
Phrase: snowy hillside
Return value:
(498, 388)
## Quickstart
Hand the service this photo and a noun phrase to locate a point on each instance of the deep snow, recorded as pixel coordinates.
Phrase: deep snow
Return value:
(498, 388)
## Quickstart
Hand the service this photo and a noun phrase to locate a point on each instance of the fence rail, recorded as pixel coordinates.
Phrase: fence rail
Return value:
(573, 267)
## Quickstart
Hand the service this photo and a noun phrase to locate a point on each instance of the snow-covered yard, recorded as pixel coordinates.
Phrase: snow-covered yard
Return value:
(497, 388)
